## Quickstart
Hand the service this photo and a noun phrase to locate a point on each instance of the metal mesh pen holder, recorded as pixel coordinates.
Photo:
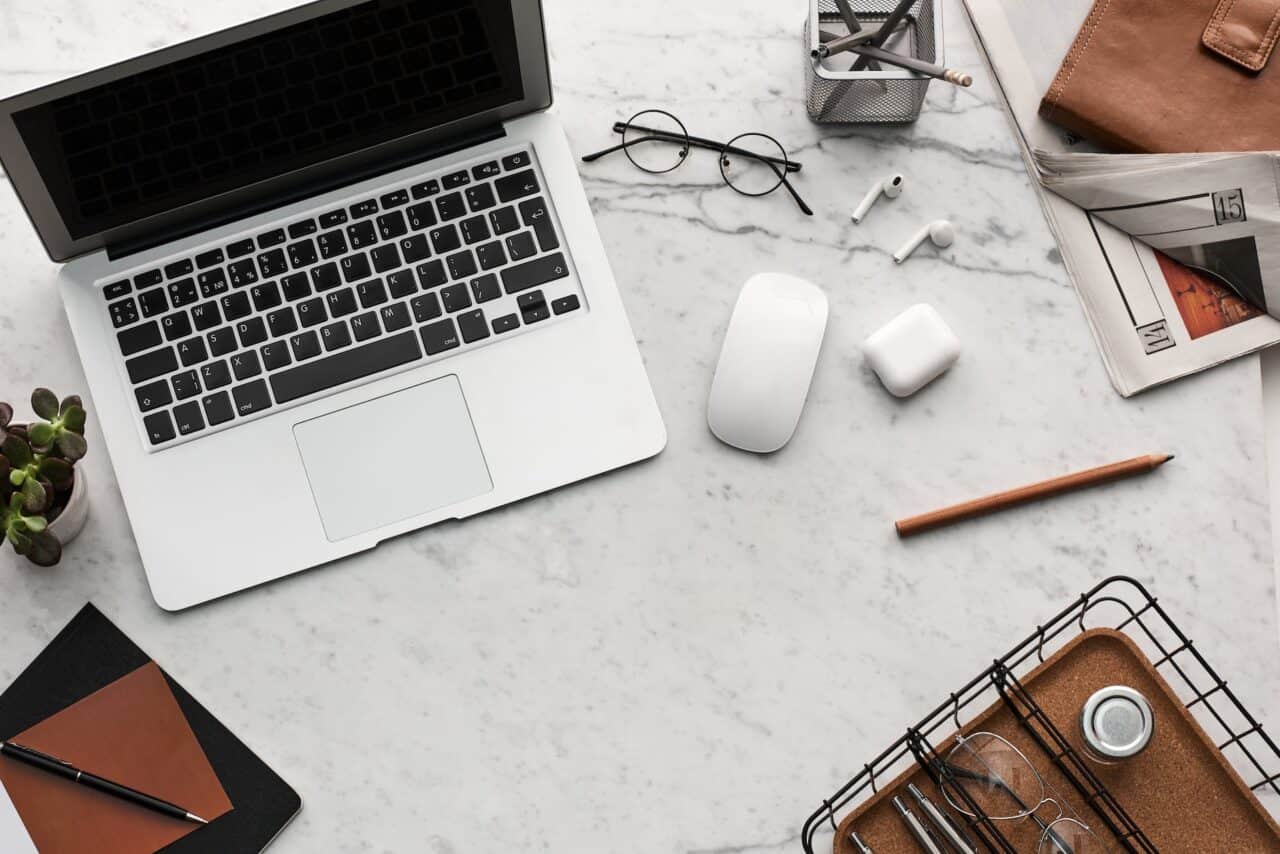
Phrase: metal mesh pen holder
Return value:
(835, 95)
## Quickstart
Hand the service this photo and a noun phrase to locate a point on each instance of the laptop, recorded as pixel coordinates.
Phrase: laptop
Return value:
(333, 277)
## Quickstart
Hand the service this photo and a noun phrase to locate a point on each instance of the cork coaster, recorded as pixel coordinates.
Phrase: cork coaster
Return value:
(1181, 791)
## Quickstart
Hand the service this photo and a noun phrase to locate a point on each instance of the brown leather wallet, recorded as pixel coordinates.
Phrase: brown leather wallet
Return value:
(1160, 76)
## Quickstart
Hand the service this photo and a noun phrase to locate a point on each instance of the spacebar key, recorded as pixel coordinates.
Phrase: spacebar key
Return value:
(530, 274)
(311, 377)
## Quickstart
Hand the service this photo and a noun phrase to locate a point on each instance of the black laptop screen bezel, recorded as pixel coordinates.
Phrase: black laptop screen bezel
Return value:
(62, 246)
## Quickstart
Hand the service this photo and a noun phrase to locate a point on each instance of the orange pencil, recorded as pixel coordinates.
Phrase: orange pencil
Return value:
(1033, 492)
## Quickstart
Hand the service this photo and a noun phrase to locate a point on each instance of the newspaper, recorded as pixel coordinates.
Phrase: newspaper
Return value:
(1159, 247)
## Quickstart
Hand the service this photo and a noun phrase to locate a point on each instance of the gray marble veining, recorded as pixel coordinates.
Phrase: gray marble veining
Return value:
(686, 655)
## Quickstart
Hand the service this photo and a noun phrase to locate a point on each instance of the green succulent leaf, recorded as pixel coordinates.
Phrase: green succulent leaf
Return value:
(6, 414)
(41, 434)
(68, 402)
(73, 416)
(45, 403)
(72, 445)
(21, 540)
(58, 472)
(15, 505)
(45, 549)
(17, 476)
(35, 524)
(36, 499)
(16, 450)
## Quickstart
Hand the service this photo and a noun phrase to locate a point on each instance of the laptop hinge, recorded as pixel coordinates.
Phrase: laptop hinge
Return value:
(312, 188)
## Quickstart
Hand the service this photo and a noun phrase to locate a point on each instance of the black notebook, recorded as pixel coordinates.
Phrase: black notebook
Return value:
(90, 654)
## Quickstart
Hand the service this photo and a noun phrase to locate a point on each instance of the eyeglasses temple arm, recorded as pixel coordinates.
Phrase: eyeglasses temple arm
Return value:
(596, 155)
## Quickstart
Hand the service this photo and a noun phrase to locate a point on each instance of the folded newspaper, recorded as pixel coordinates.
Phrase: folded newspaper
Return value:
(1175, 257)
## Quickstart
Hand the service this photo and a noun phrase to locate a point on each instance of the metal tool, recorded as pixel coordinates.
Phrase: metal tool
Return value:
(918, 830)
(952, 834)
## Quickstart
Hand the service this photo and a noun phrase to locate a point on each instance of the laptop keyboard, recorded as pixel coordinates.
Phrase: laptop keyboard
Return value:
(413, 274)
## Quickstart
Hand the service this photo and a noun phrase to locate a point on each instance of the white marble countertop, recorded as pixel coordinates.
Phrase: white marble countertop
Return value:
(687, 655)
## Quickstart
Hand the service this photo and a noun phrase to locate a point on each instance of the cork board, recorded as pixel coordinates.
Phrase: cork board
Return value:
(1181, 791)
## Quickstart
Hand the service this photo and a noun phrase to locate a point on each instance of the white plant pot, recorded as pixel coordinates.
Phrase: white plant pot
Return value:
(72, 518)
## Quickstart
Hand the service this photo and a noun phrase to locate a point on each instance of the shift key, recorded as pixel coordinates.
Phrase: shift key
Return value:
(530, 274)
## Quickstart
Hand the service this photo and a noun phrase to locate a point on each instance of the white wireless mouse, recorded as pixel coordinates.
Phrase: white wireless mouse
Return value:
(767, 361)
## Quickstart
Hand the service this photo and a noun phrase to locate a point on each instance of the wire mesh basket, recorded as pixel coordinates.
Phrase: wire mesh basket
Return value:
(836, 95)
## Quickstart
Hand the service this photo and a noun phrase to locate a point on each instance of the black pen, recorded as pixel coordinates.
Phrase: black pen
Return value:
(44, 762)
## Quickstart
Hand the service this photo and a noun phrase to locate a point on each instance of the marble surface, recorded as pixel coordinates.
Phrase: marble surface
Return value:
(687, 655)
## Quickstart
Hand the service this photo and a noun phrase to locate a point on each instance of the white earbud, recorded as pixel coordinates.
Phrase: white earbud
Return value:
(940, 231)
(891, 187)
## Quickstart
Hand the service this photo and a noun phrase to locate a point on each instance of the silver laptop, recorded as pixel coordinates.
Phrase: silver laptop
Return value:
(333, 277)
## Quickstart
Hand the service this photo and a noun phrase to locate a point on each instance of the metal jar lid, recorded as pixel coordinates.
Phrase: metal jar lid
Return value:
(1117, 722)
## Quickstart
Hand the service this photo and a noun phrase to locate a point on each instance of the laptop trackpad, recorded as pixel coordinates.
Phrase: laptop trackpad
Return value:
(393, 457)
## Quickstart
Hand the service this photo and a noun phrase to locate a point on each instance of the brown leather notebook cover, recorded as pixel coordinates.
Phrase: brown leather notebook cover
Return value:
(131, 732)
(1182, 76)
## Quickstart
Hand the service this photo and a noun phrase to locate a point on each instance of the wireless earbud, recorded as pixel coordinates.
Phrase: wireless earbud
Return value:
(891, 187)
(940, 231)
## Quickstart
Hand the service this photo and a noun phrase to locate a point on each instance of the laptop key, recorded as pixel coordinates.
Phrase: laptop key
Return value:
(302, 229)
(385, 257)
(474, 229)
(187, 416)
(325, 277)
(461, 264)
(426, 307)
(421, 216)
(252, 332)
(311, 312)
(401, 284)
(275, 355)
(192, 351)
(486, 288)
(212, 283)
(392, 225)
(242, 273)
(372, 293)
(473, 326)
(368, 207)
(212, 258)
(480, 197)
(236, 305)
(565, 304)
(273, 264)
(149, 279)
(281, 322)
(251, 397)
(221, 341)
(491, 255)
(245, 365)
(521, 246)
(159, 427)
(206, 316)
(240, 248)
(265, 296)
(365, 326)
(185, 385)
(519, 160)
(304, 346)
(152, 395)
(428, 188)
(534, 213)
(504, 220)
(516, 186)
(341, 302)
(332, 218)
(302, 253)
(148, 366)
(362, 235)
(332, 244)
(533, 307)
(415, 248)
(505, 323)
(139, 338)
(394, 317)
(450, 207)
(116, 290)
(440, 336)
(295, 287)
(178, 269)
(356, 363)
(455, 179)
(215, 375)
(485, 170)
(431, 274)
(217, 408)
(123, 312)
(455, 298)
(153, 302)
(394, 199)
(445, 239)
(271, 238)
(530, 274)
(176, 326)
(335, 336)
(355, 268)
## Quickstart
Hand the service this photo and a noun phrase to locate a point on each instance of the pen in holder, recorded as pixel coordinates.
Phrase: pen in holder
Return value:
(876, 93)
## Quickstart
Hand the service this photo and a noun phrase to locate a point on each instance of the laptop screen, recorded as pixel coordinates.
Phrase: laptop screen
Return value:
(274, 102)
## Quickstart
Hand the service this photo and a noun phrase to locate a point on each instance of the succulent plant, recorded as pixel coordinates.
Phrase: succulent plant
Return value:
(37, 463)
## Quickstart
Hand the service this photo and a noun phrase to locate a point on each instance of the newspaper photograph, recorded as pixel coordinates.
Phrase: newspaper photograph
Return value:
(1169, 253)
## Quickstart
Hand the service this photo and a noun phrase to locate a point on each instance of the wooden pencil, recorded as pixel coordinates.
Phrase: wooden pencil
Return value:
(1032, 492)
